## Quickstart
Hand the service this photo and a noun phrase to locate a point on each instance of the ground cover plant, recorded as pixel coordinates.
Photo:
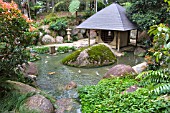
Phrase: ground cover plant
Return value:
(108, 97)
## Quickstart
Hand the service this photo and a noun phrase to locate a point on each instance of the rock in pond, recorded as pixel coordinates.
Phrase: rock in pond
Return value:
(70, 85)
(119, 70)
(97, 55)
(39, 103)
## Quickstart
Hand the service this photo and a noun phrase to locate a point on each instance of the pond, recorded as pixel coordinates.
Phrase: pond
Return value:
(55, 83)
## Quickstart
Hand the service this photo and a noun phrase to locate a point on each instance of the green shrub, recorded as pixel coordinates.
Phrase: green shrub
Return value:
(60, 26)
(159, 56)
(16, 34)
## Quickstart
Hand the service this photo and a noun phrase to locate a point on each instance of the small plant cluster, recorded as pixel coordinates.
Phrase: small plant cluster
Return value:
(110, 95)
(35, 51)
(40, 50)
(65, 49)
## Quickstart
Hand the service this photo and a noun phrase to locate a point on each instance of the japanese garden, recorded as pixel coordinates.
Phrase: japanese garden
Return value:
(84, 56)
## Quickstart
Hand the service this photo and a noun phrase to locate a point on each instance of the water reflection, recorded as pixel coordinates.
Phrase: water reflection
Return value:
(55, 83)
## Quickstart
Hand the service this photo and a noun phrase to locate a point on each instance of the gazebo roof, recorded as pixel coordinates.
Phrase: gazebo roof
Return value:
(112, 17)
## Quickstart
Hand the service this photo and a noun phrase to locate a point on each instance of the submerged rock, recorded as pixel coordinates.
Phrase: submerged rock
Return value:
(70, 85)
(39, 103)
(97, 55)
(119, 70)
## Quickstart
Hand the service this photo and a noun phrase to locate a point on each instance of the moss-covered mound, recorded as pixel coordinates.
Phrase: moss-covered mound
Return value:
(97, 55)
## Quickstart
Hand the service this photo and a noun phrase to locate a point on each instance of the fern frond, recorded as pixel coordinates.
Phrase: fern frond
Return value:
(161, 89)
(156, 77)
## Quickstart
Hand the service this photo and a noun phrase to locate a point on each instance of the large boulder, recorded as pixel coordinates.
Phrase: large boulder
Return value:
(140, 67)
(39, 103)
(47, 39)
(143, 36)
(59, 39)
(80, 36)
(29, 69)
(75, 31)
(139, 51)
(97, 55)
(119, 70)
(22, 88)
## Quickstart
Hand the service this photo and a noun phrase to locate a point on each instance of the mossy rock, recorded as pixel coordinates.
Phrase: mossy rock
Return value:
(94, 56)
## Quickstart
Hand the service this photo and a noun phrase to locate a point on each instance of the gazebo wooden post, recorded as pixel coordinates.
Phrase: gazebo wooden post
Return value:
(118, 48)
(89, 37)
(116, 38)
(136, 37)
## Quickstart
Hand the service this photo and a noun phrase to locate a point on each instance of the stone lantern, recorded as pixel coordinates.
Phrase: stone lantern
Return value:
(68, 34)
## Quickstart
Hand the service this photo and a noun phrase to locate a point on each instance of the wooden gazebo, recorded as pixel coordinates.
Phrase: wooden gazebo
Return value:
(112, 26)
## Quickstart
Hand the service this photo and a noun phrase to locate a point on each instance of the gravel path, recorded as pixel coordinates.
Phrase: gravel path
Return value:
(77, 44)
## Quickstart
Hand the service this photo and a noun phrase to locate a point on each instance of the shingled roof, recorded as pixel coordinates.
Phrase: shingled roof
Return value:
(112, 17)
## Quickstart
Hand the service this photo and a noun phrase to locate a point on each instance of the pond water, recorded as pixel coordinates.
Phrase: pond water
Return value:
(55, 83)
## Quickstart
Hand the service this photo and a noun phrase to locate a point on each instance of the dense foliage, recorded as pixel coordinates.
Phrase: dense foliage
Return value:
(16, 34)
(146, 13)
(158, 81)
(106, 97)
(159, 56)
